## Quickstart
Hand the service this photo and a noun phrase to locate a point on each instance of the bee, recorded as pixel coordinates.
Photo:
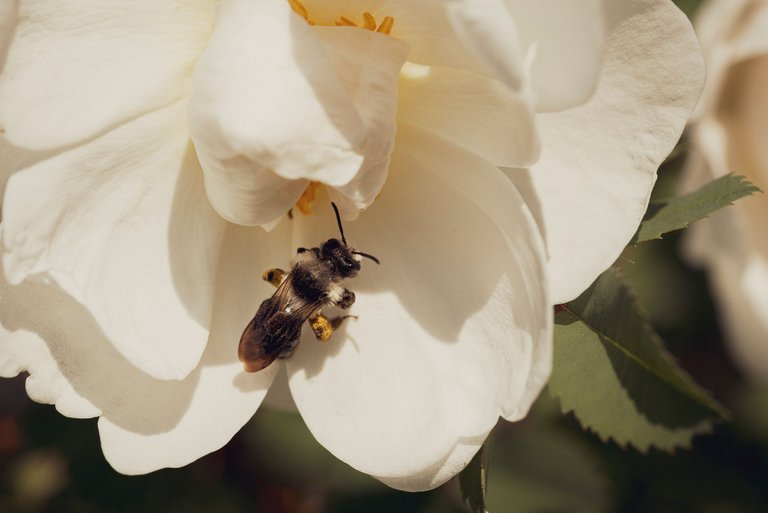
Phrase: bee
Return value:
(312, 283)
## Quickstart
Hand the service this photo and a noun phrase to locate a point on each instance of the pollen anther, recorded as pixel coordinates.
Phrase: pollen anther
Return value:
(386, 25)
(369, 21)
(345, 22)
(305, 202)
(299, 9)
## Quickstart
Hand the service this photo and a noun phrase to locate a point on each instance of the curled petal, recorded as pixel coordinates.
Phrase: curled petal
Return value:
(598, 165)
(32, 343)
(368, 64)
(123, 225)
(567, 41)
(136, 60)
(267, 100)
(453, 329)
(472, 111)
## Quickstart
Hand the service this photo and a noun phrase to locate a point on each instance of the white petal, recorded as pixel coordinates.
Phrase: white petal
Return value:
(730, 32)
(79, 67)
(598, 164)
(743, 113)
(733, 26)
(453, 328)
(146, 424)
(266, 99)
(730, 137)
(30, 342)
(568, 41)
(374, 92)
(490, 33)
(123, 225)
(471, 111)
(740, 285)
(170, 424)
(441, 472)
(13, 159)
(8, 18)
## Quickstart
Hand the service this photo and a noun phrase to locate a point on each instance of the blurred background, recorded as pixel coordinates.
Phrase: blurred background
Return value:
(544, 464)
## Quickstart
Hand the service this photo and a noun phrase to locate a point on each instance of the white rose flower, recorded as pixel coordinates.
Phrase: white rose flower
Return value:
(729, 134)
(133, 257)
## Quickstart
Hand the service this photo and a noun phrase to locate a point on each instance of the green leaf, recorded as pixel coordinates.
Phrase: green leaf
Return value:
(611, 370)
(664, 216)
(473, 482)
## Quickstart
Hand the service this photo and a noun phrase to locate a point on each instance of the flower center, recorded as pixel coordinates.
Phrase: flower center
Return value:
(368, 22)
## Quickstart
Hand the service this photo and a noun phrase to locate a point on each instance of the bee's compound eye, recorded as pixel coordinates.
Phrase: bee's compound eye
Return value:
(332, 244)
(270, 275)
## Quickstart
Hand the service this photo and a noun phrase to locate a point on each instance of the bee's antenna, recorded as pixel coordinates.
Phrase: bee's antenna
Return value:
(366, 255)
(338, 220)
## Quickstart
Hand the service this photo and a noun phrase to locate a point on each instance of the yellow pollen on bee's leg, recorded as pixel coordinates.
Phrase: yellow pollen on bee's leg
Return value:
(307, 198)
(386, 25)
(321, 326)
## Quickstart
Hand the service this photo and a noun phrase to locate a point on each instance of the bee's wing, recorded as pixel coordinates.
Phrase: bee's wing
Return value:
(275, 328)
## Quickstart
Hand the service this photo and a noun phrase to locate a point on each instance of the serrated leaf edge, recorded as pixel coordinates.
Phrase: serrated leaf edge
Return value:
(703, 428)
(715, 407)
(752, 189)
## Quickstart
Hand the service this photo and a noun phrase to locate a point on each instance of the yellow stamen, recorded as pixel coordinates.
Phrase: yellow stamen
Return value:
(299, 9)
(307, 198)
(369, 22)
(345, 22)
(386, 25)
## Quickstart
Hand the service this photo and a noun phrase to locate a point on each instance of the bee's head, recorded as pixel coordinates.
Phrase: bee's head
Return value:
(345, 260)
(345, 263)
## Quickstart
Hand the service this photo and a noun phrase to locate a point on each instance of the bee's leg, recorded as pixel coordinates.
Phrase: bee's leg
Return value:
(341, 297)
(307, 253)
(274, 276)
(323, 327)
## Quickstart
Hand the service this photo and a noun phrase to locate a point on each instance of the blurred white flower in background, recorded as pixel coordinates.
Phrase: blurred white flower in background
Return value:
(729, 134)
(132, 258)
